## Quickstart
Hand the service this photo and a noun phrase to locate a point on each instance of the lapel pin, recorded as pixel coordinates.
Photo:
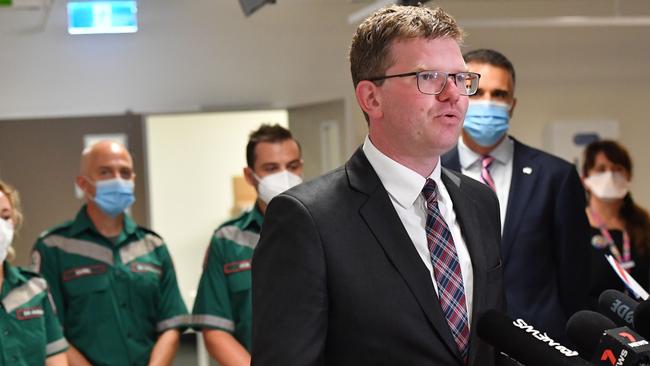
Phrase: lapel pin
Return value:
(527, 170)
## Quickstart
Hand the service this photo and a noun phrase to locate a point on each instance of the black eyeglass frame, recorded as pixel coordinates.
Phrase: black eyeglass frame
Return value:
(417, 79)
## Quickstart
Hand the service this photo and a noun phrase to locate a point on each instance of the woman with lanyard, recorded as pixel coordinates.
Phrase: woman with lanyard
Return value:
(620, 227)
(30, 331)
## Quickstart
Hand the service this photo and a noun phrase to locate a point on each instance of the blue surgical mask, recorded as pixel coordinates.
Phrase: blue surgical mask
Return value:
(113, 196)
(486, 121)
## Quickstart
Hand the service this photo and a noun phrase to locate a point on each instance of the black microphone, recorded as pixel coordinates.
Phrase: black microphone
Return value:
(585, 328)
(642, 318)
(595, 334)
(524, 343)
(618, 306)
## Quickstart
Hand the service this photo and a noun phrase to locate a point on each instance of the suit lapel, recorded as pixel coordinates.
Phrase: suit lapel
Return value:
(382, 219)
(469, 223)
(525, 171)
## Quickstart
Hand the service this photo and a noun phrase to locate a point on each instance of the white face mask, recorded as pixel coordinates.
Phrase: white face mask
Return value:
(6, 236)
(276, 183)
(608, 185)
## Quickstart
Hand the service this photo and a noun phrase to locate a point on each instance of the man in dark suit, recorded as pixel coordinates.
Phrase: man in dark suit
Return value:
(390, 259)
(545, 244)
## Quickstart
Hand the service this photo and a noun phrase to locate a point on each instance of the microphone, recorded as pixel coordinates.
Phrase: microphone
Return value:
(592, 333)
(618, 307)
(585, 328)
(642, 318)
(524, 343)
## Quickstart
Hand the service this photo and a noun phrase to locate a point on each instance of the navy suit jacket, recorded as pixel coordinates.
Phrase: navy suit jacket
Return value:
(337, 280)
(545, 244)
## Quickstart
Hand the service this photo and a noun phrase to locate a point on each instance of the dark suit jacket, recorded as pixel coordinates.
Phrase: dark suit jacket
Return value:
(545, 245)
(337, 280)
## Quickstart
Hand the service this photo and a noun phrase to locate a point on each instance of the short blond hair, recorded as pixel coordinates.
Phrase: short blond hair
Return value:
(370, 49)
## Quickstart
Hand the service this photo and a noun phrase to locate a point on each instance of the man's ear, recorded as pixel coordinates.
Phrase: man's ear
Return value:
(512, 107)
(369, 98)
(249, 176)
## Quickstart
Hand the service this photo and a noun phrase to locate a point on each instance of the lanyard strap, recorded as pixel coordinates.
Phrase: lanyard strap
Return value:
(627, 255)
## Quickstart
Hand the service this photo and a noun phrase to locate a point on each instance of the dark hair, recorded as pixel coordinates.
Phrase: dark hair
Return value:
(636, 219)
(266, 133)
(490, 57)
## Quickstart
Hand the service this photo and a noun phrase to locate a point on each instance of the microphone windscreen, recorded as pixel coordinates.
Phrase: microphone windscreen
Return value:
(585, 328)
(618, 307)
(523, 343)
(642, 319)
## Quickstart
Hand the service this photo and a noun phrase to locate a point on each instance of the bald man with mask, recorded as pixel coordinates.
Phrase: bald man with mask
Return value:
(113, 282)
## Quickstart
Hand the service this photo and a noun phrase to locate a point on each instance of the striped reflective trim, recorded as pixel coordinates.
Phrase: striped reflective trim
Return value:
(140, 248)
(244, 238)
(51, 300)
(83, 248)
(36, 261)
(175, 322)
(23, 294)
(56, 347)
(213, 321)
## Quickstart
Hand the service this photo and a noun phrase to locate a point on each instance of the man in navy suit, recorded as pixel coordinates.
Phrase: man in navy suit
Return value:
(390, 259)
(545, 242)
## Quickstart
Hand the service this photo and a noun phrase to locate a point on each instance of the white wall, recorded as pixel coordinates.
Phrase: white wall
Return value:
(191, 161)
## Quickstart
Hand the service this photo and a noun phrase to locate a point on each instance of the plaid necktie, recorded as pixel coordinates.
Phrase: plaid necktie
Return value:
(446, 270)
(486, 161)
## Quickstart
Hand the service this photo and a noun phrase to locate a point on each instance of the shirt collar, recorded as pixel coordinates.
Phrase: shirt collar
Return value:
(402, 184)
(254, 216)
(83, 222)
(13, 275)
(502, 153)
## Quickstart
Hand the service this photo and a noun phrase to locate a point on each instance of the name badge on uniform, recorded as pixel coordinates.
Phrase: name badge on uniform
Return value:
(141, 267)
(29, 313)
(73, 273)
(239, 266)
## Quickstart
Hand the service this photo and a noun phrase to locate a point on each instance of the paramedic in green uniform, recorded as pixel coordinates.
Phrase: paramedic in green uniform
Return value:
(113, 282)
(223, 304)
(30, 333)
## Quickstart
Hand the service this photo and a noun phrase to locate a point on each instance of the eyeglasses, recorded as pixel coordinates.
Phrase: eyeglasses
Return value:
(434, 82)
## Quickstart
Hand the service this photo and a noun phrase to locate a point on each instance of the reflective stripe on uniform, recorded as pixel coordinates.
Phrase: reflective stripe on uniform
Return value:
(23, 294)
(56, 347)
(139, 248)
(80, 247)
(175, 322)
(244, 238)
(214, 321)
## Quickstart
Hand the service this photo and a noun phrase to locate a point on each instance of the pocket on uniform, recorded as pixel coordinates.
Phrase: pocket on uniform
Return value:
(94, 281)
(240, 281)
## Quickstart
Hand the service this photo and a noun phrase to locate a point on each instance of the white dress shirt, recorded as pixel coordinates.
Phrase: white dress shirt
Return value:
(404, 187)
(500, 169)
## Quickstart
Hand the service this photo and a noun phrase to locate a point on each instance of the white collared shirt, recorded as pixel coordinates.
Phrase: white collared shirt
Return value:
(404, 187)
(500, 169)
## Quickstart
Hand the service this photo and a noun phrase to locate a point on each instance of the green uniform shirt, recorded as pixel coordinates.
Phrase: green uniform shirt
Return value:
(113, 297)
(224, 298)
(29, 329)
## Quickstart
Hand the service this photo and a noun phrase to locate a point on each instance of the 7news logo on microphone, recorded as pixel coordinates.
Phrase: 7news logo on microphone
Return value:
(622, 347)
